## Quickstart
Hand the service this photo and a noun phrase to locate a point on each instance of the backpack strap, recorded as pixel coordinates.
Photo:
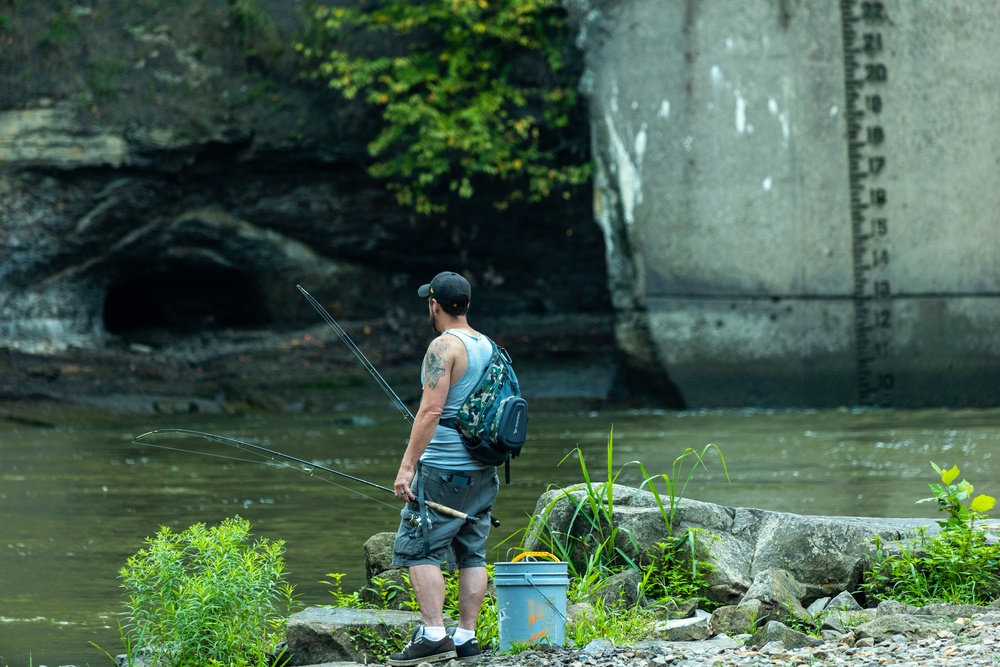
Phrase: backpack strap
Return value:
(451, 422)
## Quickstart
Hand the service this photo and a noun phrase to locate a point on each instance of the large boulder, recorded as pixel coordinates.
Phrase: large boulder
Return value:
(319, 635)
(826, 555)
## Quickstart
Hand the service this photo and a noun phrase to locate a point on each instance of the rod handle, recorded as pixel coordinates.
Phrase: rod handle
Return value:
(451, 512)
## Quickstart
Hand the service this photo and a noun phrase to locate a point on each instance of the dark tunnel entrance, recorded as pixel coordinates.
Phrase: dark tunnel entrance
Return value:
(184, 299)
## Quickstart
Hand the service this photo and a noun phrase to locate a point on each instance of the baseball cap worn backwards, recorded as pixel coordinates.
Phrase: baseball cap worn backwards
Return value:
(446, 287)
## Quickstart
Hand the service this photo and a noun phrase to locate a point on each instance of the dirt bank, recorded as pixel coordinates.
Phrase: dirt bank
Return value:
(565, 359)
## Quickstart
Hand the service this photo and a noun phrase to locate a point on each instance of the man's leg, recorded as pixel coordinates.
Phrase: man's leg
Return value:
(428, 588)
(472, 583)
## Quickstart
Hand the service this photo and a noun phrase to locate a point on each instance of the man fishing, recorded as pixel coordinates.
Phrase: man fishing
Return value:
(436, 467)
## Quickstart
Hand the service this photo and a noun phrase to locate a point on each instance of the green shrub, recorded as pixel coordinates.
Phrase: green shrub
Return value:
(957, 565)
(470, 90)
(207, 596)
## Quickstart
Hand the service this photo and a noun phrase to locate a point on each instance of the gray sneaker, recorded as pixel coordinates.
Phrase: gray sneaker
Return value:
(469, 649)
(420, 649)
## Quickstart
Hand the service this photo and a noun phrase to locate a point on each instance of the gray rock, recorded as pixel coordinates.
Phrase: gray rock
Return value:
(775, 632)
(378, 554)
(884, 626)
(734, 620)
(818, 605)
(320, 635)
(844, 601)
(623, 589)
(778, 589)
(683, 629)
(827, 555)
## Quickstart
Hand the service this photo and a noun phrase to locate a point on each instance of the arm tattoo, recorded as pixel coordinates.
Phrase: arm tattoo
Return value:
(435, 364)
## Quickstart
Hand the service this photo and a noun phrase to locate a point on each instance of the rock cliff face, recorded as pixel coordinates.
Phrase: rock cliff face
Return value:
(165, 168)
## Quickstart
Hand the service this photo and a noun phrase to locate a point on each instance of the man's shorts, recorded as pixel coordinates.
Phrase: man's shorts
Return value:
(473, 492)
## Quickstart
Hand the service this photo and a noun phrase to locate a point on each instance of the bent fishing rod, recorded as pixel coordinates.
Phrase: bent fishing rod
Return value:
(405, 411)
(407, 415)
(307, 466)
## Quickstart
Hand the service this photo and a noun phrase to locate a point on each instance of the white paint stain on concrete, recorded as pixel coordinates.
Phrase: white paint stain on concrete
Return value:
(640, 145)
(627, 169)
(766, 184)
(782, 116)
(717, 79)
(664, 111)
(741, 114)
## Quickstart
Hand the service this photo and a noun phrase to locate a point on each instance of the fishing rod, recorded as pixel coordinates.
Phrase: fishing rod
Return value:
(407, 415)
(309, 466)
(405, 411)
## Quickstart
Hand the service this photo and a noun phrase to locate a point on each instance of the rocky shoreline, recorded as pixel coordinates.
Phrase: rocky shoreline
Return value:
(908, 639)
(972, 643)
(559, 360)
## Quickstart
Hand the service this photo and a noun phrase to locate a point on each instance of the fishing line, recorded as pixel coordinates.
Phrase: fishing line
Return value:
(264, 462)
(271, 455)
(405, 411)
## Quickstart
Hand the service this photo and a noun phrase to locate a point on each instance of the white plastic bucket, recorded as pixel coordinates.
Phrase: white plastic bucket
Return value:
(531, 601)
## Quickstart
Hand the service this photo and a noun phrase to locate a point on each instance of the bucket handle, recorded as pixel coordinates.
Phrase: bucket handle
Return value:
(534, 555)
(540, 554)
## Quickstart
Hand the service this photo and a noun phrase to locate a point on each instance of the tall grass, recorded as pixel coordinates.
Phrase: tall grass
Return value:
(591, 542)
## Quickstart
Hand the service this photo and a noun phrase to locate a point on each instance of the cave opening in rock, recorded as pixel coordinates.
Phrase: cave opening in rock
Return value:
(184, 299)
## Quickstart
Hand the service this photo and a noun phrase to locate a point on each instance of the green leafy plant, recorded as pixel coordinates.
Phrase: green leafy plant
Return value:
(949, 499)
(470, 90)
(957, 565)
(675, 570)
(207, 596)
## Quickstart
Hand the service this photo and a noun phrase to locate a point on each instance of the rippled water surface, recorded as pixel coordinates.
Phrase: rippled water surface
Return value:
(76, 502)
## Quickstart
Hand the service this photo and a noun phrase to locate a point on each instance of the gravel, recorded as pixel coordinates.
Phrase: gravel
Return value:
(971, 644)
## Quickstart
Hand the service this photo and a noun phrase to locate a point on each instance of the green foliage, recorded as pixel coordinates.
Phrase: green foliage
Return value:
(254, 25)
(676, 570)
(949, 498)
(676, 482)
(63, 25)
(476, 91)
(207, 596)
(596, 549)
(593, 540)
(592, 545)
(621, 625)
(957, 565)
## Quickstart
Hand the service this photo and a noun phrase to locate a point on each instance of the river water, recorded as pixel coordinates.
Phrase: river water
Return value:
(75, 502)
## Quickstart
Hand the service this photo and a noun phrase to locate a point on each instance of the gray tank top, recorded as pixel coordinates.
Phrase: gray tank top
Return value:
(446, 450)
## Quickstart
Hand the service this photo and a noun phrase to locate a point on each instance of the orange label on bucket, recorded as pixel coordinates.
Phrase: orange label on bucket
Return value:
(537, 637)
(535, 612)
